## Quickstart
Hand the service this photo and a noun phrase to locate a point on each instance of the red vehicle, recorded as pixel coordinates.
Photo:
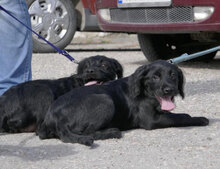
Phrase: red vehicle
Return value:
(165, 28)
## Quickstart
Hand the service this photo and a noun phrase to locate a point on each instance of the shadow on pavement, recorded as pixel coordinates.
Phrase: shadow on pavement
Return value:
(213, 64)
(202, 87)
(36, 153)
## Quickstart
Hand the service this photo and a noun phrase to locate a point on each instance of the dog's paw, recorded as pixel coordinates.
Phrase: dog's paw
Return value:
(42, 132)
(42, 135)
(202, 121)
(115, 133)
(88, 141)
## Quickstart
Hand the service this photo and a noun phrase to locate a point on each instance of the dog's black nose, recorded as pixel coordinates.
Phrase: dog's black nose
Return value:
(167, 90)
(90, 70)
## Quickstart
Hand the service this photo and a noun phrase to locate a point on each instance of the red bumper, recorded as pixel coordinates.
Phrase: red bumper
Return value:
(212, 24)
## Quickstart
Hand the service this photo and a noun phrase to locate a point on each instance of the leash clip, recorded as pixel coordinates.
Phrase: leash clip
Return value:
(65, 53)
(170, 61)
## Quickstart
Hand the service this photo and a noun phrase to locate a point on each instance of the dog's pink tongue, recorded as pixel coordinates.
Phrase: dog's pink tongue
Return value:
(167, 103)
(91, 83)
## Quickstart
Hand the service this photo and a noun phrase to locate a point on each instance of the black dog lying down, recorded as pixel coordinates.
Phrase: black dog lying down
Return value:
(23, 107)
(142, 100)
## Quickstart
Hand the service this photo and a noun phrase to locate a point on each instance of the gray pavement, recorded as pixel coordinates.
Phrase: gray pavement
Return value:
(172, 148)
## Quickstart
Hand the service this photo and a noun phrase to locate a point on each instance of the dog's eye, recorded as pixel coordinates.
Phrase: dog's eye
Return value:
(173, 75)
(85, 67)
(156, 78)
(104, 65)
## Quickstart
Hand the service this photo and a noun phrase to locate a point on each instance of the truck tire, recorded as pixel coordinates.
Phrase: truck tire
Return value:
(164, 47)
(55, 20)
(154, 47)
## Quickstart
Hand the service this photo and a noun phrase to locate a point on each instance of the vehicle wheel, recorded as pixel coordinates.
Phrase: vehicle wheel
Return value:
(55, 20)
(165, 47)
(155, 47)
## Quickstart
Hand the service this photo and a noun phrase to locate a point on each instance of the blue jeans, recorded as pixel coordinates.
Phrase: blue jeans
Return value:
(15, 45)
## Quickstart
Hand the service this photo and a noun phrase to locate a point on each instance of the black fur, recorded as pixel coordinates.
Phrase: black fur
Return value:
(23, 107)
(101, 112)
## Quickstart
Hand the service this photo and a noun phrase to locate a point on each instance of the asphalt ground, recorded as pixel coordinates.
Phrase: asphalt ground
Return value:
(170, 148)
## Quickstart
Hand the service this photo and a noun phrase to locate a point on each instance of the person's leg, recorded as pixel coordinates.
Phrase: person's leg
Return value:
(15, 45)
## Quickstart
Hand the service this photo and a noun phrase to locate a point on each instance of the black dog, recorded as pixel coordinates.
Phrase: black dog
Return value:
(142, 100)
(23, 107)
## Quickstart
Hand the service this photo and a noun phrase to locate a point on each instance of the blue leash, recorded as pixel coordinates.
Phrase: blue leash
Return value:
(63, 52)
(186, 57)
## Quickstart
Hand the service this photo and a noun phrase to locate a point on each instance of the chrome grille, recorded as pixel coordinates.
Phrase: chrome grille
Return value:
(152, 15)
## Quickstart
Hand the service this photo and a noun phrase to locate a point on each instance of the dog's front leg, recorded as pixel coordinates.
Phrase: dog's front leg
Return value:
(175, 120)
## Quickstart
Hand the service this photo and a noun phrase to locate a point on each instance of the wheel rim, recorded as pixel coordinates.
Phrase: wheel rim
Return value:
(50, 19)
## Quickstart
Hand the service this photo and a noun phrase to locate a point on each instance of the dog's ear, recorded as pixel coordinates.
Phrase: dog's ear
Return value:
(118, 68)
(81, 66)
(181, 83)
(135, 82)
